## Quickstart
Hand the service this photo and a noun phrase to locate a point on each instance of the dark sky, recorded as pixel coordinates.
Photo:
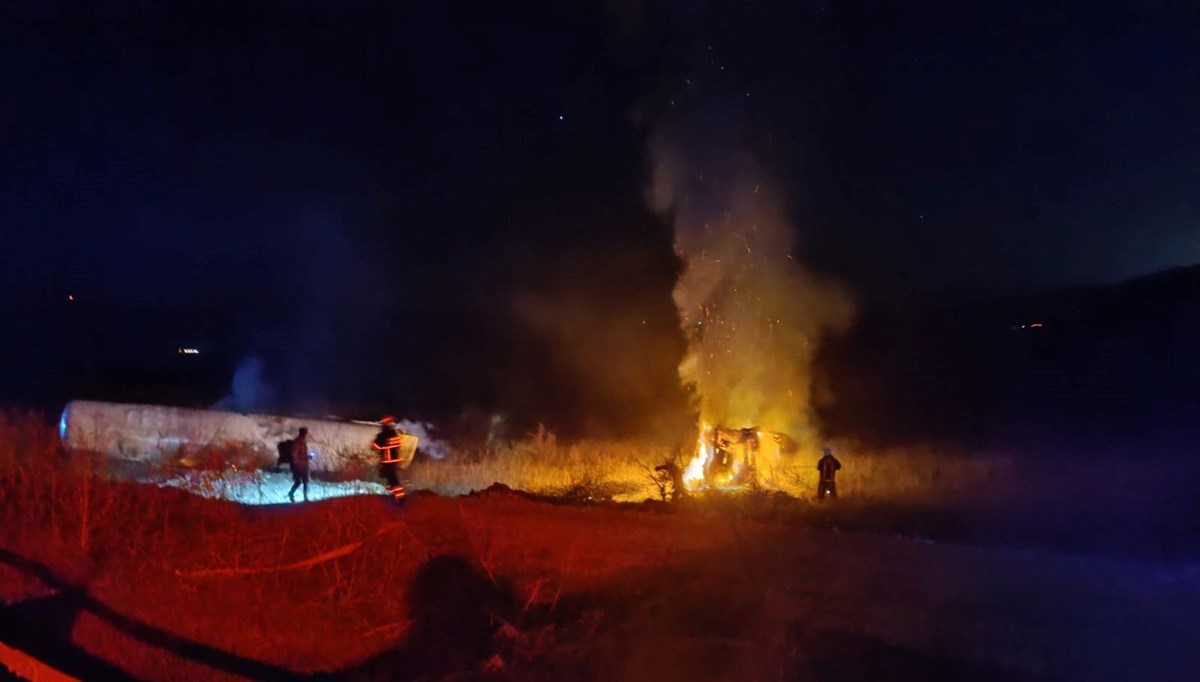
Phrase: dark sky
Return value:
(368, 182)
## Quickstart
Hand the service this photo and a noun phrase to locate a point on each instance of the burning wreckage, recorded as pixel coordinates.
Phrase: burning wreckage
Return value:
(733, 458)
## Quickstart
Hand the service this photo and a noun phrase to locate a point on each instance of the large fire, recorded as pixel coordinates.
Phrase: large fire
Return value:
(728, 458)
(752, 314)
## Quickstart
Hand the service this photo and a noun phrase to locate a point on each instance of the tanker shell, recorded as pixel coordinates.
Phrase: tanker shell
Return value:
(157, 434)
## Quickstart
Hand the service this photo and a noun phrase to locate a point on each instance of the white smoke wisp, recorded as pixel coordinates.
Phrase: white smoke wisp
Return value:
(752, 314)
(434, 448)
(249, 392)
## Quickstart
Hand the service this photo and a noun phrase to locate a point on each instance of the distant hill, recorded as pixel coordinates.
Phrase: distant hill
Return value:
(1120, 358)
(1162, 293)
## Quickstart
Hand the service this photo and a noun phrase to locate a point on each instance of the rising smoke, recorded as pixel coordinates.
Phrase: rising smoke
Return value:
(249, 391)
(752, 314)
(429, 446)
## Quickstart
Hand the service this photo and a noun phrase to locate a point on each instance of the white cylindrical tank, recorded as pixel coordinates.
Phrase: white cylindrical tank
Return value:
(158, 434)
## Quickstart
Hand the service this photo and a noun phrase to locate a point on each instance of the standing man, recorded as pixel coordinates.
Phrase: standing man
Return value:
(828, 467)
(387, 444)
(300, 464)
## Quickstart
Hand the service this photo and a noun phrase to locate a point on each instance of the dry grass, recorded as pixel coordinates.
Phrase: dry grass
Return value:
(305, 588)
(67, 501)
(540, 464)
(123, 541)
(901, 474)
(330, 585)
(623, 471)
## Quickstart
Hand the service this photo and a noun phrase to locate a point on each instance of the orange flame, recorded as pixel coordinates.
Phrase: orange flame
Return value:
(693, 474)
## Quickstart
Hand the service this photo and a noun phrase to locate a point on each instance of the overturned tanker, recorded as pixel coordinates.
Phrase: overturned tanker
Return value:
(157, 434)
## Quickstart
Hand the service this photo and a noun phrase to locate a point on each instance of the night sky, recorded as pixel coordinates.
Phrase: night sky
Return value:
(434, 206)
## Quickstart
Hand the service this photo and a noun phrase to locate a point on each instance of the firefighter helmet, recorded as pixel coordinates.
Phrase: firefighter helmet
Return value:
(388, 420)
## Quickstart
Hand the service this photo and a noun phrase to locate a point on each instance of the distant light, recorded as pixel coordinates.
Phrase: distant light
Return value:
(560, 117)
(70, 297)
(189, 351)
(1037, 325)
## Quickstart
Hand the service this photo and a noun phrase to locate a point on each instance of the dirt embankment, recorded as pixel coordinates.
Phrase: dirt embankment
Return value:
(516, 588)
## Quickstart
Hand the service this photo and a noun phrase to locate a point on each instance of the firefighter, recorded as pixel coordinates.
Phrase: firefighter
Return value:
(299, 464)
(388, 443)
(828, 466)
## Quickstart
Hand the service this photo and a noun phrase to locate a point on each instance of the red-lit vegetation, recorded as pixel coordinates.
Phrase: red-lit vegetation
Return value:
(168, 585)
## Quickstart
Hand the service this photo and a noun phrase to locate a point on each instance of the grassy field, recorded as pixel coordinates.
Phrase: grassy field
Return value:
(163, 584)
(623, 470)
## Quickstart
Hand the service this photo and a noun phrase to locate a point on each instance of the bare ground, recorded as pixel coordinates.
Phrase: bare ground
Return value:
(504, 586)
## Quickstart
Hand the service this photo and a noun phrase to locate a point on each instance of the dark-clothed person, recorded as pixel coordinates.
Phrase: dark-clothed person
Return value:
(828, 467)
(675, 475)
(387, 443)
(299, 465)
(285, 454)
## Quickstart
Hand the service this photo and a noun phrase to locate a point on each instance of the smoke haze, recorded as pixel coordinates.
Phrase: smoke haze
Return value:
(249, 391)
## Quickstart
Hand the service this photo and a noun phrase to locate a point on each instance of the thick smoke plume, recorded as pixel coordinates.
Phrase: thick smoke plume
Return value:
(752, 314)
